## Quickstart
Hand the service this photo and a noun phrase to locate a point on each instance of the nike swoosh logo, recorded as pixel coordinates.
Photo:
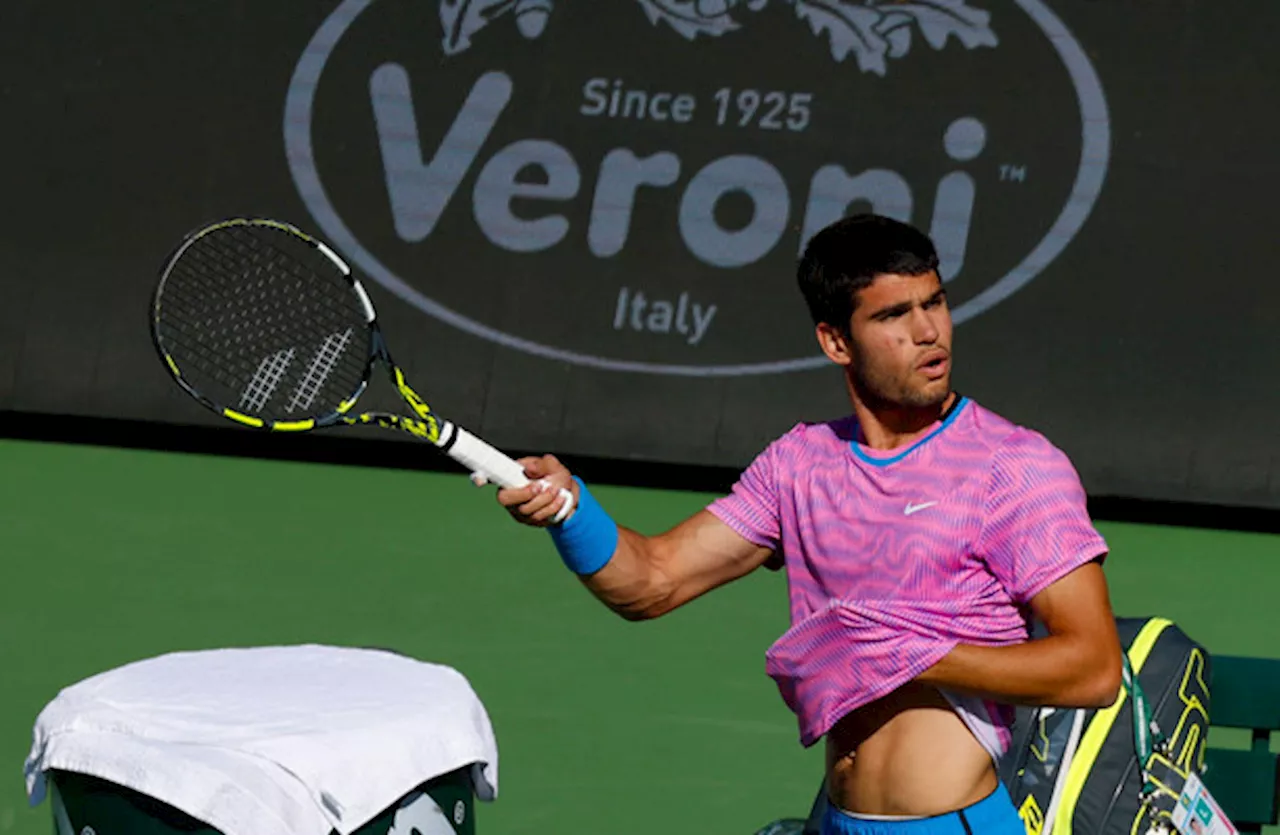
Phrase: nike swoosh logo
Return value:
(913, 508)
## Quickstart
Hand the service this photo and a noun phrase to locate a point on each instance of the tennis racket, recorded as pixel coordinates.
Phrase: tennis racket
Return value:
(265, 325)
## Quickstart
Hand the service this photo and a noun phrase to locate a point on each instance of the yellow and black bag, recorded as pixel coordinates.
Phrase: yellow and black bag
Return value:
(1118, 770)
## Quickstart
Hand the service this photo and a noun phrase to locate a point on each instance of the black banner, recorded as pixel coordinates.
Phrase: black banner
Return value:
(580, 220)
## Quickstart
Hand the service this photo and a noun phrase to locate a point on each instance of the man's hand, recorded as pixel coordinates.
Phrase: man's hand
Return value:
(538, 503)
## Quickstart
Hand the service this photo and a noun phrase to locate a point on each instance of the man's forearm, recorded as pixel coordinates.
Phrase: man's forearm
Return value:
(648, 576)
(637, 576)
(1060, 670)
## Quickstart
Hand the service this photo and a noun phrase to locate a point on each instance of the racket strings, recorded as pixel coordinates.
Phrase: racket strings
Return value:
(255, 383)
(253, 322)
(232, 372)
(270, 367)
(338, 297)
(214, 267)
(267, 330)
(190, 329)
(197, 327)
(331, 291)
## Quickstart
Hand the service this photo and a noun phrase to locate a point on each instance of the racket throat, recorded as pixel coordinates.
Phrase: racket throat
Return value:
(448, 436)
(435, 427)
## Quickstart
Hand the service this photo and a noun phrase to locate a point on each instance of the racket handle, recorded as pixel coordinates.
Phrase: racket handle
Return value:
(493, 465)
(479, 457)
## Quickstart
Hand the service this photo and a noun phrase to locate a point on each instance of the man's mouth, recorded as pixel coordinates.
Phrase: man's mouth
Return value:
(935, 364)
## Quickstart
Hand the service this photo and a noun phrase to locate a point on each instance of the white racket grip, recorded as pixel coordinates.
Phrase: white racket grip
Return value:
(495, 466)
(479, 457)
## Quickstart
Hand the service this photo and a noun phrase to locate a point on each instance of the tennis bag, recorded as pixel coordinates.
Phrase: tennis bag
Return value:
(1118, 770)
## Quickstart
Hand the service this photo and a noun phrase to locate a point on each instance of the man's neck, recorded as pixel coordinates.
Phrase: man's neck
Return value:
(890, 426)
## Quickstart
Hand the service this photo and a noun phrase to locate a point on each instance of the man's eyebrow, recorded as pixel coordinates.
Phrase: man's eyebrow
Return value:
(891, 310)
(903, 307)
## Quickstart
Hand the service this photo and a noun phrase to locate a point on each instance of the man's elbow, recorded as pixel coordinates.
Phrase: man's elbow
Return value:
(638, 611)
(1102, 683)
(656, 599)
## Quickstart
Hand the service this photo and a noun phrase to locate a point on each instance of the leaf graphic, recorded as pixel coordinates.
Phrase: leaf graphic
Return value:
(463, 18)
(850, 28)
(531, 17)
(697, 17)
(899, 37)
(874, 31)
(938, 20)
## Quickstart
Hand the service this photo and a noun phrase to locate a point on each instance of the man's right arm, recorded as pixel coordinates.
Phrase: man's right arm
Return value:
(645, 576)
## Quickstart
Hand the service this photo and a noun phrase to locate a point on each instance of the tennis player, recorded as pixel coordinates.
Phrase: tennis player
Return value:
(919, 535)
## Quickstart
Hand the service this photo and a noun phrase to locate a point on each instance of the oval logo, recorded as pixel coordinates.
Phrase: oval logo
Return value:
(628, 185)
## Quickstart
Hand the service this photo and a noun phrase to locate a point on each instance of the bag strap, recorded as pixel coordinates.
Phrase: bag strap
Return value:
(1147, 737)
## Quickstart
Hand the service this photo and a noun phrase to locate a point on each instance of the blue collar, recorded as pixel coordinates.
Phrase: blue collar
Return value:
(961, 402)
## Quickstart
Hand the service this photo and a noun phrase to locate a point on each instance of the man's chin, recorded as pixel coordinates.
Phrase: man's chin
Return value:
(930, 396)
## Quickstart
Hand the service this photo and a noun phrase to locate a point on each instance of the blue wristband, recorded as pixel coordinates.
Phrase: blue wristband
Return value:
(587, 539)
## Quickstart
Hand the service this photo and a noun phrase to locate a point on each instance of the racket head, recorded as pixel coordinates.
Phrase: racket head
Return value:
(264, 324)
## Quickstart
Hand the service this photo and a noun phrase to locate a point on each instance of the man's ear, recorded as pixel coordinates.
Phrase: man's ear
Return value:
(834, 343)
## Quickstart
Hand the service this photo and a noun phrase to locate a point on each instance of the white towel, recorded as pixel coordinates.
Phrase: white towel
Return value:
(272, 740)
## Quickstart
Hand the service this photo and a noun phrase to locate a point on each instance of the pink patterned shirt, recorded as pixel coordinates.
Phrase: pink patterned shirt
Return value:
(892, 558)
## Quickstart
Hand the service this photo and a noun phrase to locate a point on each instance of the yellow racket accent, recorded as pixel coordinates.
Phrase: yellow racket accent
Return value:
(245, 221)
(417, 428)
(431, 431)
(292, 425)
(245, 419)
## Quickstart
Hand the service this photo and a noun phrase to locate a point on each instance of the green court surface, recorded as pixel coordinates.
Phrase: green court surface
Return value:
(603, 726)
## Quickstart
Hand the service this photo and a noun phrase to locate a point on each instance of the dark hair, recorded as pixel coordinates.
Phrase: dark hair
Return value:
(847, 256)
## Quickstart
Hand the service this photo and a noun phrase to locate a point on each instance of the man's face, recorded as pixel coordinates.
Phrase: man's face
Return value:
(900, 348)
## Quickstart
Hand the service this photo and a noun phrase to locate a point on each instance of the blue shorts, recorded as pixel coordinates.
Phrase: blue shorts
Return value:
(993, 815)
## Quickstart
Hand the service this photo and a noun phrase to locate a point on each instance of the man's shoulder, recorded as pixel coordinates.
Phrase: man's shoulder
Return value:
(803, 445)
(1004, 436)
(1013, 445)
(815, 435)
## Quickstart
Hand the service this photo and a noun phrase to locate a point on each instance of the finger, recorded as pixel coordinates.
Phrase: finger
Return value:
(552, 509)
(529, 463)
(537, 503)
(560, 479)
(567, 502)
(543, 466)
(535, 467)
(479, 479)
(512, 497)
